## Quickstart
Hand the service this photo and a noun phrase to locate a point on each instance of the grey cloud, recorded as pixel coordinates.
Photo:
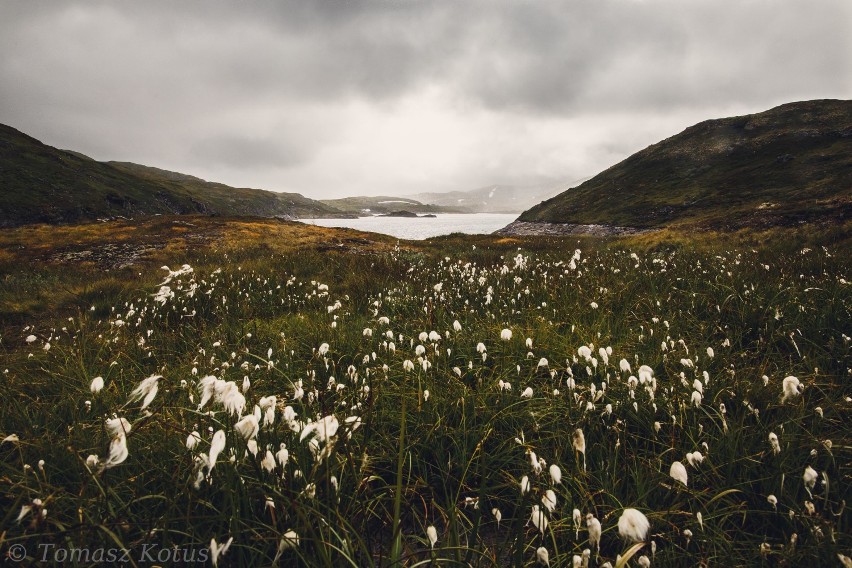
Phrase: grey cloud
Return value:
(232, 151)
(265, 89)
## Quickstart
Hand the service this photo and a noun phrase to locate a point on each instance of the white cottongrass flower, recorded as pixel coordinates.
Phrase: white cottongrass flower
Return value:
(542, 363)
(289, 539)
(97, 385)
(506, 334)
(457, 326)
(555, 474)
(542, 556)
(549, 500)
(31, 339)
(217, 550)
(498, 516)
(595, 530)
(525, 485)
(577, 517)
(773, 442)
(432, 534)
(773, 500)
(247, 427)
(810, 479)
(117, 452)
(146, 391)
(534, 463)
(282, 455)
(323, 429)
(633, 525)
(678, 472)
(695, 458)
(217, 444)
(224, 392)
(790, 388)
(579, 441)
(538, 518)
(528, 393)
(117, 427)
(192, 440)
(268, 462)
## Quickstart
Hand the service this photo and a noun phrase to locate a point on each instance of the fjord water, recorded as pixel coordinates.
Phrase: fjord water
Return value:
(424, 227)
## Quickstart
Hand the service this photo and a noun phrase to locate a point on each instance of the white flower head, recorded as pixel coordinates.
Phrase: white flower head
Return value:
(633, 525)
(247, 427)
(555, 474)
(595, 530)
(538, 518)
(432, 535)
(678, 472)
(810, 479)
(790, 388)
(146, 391)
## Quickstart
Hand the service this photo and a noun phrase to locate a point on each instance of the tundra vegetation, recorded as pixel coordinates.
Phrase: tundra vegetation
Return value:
(304, 396)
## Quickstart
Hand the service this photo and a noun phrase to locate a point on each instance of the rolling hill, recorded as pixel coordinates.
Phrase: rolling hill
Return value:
(782, 167)
(42, 184)
(495, 198)
(382, 205)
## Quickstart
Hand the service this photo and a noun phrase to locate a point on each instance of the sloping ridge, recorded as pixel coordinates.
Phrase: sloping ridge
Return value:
(785, 166)
(42, 184)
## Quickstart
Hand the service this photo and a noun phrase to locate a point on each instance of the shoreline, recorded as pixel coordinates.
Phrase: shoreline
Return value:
(541, 228)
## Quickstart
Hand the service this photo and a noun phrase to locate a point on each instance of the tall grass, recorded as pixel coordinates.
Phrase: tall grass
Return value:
(365, 494)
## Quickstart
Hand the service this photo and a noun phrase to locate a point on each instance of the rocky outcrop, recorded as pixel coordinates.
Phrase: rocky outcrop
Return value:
(534, 228)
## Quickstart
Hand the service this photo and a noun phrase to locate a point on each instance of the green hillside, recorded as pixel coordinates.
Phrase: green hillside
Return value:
(789, 165)
(41, 184)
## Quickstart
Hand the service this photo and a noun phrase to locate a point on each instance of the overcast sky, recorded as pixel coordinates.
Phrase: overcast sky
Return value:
(395, 97)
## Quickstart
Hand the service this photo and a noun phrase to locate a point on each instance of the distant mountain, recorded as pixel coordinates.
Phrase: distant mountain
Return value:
(382, 205)
(496, 198)
(785, 166)
(41, 184)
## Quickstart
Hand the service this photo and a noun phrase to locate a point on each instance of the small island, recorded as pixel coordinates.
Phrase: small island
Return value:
(408, 214)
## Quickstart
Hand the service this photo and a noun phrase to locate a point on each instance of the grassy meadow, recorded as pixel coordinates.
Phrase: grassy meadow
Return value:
(311, 397)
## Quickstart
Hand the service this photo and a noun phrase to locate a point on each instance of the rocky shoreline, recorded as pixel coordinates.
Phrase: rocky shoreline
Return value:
(527, 228)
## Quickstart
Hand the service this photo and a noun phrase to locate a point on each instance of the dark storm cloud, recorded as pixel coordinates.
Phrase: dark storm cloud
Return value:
(323, 97)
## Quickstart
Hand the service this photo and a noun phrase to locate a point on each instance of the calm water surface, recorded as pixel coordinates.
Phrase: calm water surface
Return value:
(424, 228)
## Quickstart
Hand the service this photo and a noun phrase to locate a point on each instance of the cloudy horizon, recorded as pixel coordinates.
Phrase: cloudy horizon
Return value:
(401, 97)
